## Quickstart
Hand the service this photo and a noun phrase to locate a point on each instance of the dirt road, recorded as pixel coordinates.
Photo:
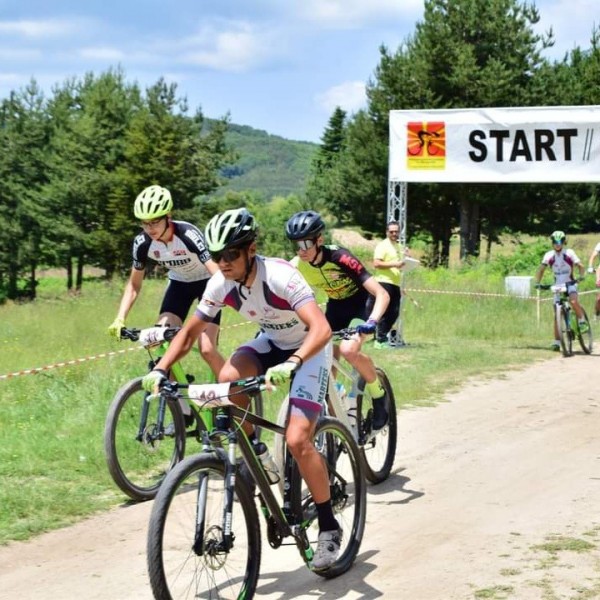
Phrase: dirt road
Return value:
(496, 494)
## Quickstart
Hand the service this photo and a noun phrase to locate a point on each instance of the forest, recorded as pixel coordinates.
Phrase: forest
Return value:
(71, 164)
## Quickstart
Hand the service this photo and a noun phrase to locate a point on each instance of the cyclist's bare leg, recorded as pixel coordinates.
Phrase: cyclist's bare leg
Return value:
(238, 366)
(298, 435)
(574, 299)
(168, 319)
(351, 351)
(597, 307)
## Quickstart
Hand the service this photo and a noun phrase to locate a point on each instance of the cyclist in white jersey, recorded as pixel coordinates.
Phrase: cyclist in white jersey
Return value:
(180, 248)
(595, 253)
(563, 261)
(291, 346)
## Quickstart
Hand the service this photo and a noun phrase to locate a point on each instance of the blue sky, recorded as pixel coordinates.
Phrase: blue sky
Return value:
(277, 65)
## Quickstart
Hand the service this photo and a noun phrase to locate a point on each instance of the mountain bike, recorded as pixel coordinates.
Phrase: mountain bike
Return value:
(204, 534)
(145, 436)
(350, 402)
(566, 320)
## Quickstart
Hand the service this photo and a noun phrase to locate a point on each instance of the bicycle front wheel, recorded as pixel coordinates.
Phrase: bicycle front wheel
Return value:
(139, 453)
(188, 555)
(377, 449)
(564, 331)
(586, 340)
(347, 485)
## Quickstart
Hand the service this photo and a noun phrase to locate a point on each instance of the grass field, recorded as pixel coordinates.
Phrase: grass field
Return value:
(456, 324)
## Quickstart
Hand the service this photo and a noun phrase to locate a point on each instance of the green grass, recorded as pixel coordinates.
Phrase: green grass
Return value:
(52, 468)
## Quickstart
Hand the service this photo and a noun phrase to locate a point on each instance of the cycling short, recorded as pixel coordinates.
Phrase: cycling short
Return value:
(309, 384)
(180, 295)
(339, 313)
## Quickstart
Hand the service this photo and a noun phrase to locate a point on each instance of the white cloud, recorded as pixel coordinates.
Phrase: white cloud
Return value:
(571, 22)
(353, 13)
(235, 46)
(19, 54)
(350, 96)
(102, 53)
(40, 29)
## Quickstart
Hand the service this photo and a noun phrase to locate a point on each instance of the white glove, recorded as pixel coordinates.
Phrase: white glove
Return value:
(591, 269)
(114, 329)
(281, 373)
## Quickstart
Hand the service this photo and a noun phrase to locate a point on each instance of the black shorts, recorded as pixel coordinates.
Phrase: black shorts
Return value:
(339, 313)
(180, 295)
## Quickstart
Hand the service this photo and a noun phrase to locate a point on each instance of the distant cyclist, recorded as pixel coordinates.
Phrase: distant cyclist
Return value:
(291, 347)
(348, 285)
(563, 261)
(593, 256)
(180, 248)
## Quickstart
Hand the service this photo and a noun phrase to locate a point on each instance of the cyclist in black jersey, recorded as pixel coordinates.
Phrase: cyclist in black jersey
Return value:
(348, 286)
(180, 248)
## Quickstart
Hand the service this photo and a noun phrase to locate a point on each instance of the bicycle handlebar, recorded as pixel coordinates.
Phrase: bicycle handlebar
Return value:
(206, 392)
(344, 334)
(149, 336)
(557, 287)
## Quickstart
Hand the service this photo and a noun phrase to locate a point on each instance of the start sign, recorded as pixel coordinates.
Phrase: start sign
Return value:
(542, 144)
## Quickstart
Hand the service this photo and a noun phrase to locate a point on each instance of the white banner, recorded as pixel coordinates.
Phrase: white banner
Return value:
(505, 145)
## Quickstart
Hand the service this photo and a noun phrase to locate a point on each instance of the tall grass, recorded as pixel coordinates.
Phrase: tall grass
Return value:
(52, 469)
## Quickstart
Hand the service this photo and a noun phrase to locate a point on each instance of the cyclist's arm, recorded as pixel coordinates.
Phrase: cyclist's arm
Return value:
(593, 256)
(319, 331)
(132, 290)
(183, 342)
(540, 272)
(382, 298)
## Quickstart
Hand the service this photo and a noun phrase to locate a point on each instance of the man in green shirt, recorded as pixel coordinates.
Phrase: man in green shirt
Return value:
(388, 259)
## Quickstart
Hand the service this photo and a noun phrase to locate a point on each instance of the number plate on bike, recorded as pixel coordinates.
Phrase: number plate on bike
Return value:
(209, 394)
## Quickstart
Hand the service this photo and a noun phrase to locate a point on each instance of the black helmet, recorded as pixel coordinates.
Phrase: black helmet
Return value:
(305, 224)
(230, 228)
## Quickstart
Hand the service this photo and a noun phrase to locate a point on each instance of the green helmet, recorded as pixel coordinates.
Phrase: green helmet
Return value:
(230, 228)
(152, 203)
(558, 237)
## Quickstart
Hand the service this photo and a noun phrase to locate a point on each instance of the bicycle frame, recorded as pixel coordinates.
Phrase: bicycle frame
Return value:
(281, 522)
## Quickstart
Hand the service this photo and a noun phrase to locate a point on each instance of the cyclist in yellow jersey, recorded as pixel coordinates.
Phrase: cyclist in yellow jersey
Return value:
(348, 285)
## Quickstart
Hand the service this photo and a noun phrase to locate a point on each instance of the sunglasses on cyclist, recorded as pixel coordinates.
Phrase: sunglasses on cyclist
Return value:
(152, 223)
(227, 255)
(305, 244)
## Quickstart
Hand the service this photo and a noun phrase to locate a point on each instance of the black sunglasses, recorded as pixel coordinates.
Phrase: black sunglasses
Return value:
(227, 255)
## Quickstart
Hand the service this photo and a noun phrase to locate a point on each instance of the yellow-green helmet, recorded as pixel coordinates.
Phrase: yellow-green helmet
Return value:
(152, 203)
(231, 228)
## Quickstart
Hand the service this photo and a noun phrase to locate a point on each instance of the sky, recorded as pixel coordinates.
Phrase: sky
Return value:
(277, 65)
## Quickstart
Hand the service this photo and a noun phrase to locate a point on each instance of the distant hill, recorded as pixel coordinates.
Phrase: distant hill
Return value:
(268, 164)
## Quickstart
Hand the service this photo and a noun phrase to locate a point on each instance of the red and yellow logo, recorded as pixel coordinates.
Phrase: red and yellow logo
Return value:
(426, 145)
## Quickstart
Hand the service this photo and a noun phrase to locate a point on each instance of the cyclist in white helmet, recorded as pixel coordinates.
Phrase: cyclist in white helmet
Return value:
(180, 248)
(563, 261)
(291, 347)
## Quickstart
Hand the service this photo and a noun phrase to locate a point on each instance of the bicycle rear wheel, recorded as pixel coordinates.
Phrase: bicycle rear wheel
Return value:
(348, 492)
(186, 553)
(138, 455)
(378, 449)
(564, 331)
(586, 340)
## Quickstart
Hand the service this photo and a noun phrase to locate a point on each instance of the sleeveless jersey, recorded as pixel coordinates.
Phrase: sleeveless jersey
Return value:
(184, 256)
(339, 274)
(278, 290)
